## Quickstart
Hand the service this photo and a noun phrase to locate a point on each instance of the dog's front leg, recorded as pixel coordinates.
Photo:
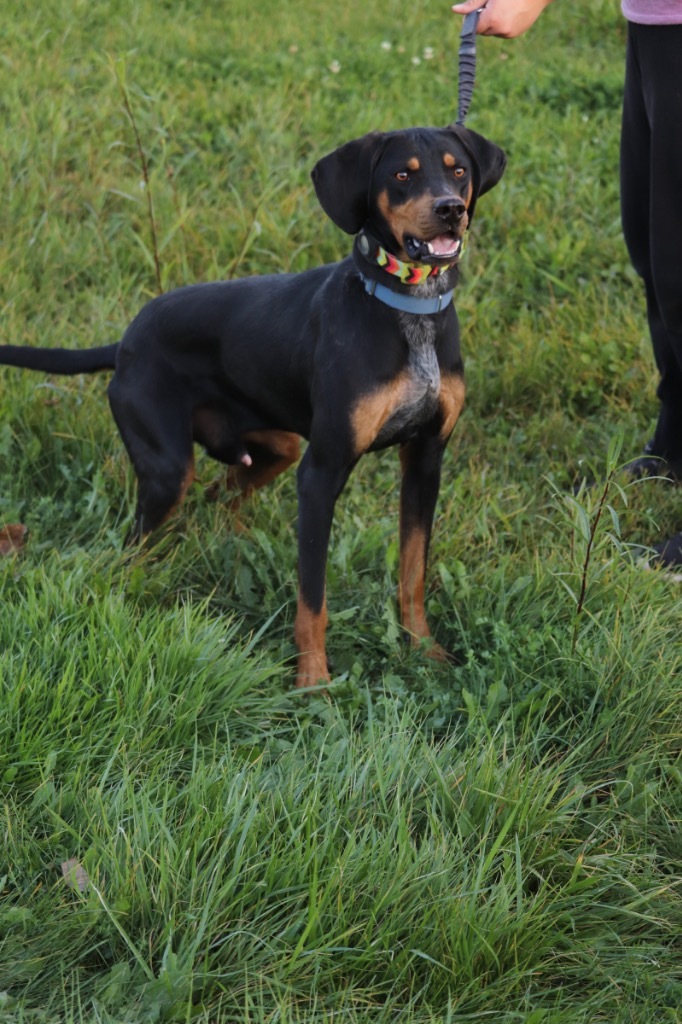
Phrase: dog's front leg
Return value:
(420, 461)
(319, 485)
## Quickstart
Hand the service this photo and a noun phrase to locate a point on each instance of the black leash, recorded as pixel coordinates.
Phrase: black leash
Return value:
(467, 63)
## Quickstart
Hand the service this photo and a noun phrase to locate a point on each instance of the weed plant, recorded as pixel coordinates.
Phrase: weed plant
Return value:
(187, 838)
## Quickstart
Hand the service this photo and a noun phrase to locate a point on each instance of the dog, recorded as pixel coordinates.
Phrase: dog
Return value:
(353, 356)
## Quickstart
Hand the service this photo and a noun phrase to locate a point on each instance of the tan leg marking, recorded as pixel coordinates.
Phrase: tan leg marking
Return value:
(411, 592)
(309, 632)
(451, 398)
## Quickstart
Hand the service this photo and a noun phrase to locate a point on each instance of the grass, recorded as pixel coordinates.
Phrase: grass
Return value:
(494, 840)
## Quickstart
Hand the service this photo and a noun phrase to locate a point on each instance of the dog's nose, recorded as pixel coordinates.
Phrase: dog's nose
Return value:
(450, 208)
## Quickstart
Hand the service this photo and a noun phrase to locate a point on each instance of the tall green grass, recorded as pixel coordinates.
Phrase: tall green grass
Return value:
(497, 839)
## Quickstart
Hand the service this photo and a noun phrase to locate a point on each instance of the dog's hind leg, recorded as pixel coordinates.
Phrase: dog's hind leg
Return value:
(158, 438)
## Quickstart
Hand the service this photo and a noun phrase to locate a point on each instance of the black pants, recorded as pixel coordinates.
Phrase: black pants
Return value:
(651, 203)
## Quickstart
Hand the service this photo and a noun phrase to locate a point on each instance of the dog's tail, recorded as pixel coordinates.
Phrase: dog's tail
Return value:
(60, 360)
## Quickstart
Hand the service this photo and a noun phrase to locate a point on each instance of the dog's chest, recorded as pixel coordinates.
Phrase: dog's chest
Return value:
(420, 390)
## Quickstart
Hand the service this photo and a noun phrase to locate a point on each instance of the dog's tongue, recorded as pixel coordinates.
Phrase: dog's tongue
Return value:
(443, 245)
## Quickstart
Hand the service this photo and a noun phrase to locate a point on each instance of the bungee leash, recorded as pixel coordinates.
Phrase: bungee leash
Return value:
(467, 63)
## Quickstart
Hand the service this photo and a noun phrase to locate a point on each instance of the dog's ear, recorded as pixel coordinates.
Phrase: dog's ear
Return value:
(342, 181)
(488, 159)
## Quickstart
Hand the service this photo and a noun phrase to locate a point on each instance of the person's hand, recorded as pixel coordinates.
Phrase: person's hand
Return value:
(507, 18)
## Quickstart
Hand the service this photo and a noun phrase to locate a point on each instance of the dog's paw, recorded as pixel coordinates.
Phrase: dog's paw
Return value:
(313, 672)
(435, 651)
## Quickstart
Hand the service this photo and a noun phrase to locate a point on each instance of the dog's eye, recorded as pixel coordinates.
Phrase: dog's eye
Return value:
(459, 172)
(402, 176)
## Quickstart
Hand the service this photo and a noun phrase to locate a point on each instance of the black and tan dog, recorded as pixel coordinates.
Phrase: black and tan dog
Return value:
(354, 356)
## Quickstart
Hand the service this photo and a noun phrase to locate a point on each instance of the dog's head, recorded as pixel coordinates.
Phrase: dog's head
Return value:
(414, 190)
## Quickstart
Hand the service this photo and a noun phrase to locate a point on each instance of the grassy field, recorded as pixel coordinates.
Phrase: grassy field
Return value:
(494, 840)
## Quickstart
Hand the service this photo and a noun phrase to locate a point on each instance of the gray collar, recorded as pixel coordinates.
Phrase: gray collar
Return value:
(406, 303)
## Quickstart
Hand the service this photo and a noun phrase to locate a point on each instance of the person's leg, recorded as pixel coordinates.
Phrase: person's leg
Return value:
(651, 201)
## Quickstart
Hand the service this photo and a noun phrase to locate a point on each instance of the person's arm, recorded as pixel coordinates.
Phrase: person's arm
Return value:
(507, 18)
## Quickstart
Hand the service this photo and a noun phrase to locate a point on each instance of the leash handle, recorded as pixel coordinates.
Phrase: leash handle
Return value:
(467, 63)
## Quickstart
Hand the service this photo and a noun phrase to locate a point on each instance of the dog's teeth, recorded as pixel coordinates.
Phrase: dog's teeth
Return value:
(429, 248)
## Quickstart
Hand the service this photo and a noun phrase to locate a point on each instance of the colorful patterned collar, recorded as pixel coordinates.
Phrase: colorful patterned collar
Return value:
(408, 273)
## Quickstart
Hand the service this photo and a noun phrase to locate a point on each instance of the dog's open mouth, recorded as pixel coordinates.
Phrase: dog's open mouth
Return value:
(442, 247)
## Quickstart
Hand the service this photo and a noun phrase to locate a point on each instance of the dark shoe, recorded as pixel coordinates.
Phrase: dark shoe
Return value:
(653, 464)
(667, 558)
(668, 553)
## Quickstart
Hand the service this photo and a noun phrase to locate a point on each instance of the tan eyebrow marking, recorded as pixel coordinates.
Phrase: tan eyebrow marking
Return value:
(449, 160)
(413, 164)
